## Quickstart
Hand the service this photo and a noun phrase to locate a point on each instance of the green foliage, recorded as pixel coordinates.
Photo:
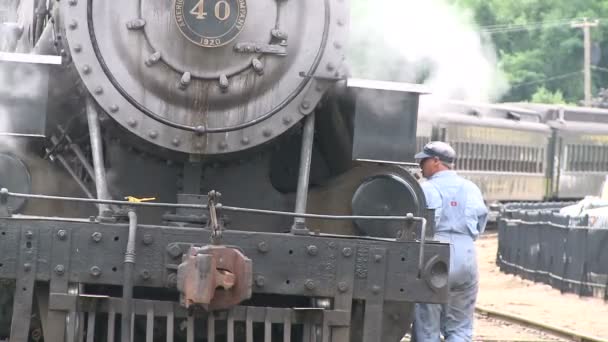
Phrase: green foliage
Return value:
(534, 59)
(547, 57)
(543, 95)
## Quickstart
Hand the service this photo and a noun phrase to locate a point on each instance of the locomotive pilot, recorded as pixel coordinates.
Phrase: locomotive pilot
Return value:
(460, 216)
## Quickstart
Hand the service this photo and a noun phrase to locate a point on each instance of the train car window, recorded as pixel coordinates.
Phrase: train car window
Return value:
(499, 158)
(457, 145)
(468, 163)
(577, 153)
(596, 158)
(517, 157)
(493, 159)
(526, 163)
(541, 160)
(483, 157)
(524, 159)
(580, 158)
(569, 151)
(573, 156)
(474, 156)
(593, 152)
(529, 160)
(520, 159)
(599, 159)
(505, 158)
(462, 164)
(471, 157)
(569, 157)
(479, 157)
(586, 158)
(535, 159)
(510, 158)
(584, 161)
(488, 158)
(566, 159)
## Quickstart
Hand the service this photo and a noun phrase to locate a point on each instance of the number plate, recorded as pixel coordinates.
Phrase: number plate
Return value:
(210, 23)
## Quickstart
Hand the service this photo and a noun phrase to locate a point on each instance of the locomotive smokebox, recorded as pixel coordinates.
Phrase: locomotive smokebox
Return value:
(386, 115)
(203, 77)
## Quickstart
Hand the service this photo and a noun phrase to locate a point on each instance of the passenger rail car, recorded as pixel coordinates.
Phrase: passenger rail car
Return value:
(579, 150)
(525, 152)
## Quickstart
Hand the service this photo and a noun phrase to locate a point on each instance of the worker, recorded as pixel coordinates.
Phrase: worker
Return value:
(460, 216)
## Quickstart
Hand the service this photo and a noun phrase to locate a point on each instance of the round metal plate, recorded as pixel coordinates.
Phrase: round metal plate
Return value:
(384, 195)
(15, 177)
(210, 23)
(188, 98)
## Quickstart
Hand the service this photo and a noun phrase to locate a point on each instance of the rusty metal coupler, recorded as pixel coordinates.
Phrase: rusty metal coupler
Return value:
(214, 276)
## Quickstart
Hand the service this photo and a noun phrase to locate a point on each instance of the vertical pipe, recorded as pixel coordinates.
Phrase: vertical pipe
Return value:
(170, 318)
(40, 13)
(308, 134)
(127, 289)
(97, 150)
(587, 63)
(111, 324)
(150, 324)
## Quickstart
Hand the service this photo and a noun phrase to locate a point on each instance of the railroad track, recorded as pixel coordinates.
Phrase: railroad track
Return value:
(526, 330)
(496, 326)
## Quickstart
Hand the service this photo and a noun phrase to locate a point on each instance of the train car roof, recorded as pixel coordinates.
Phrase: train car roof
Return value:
(586, 127)
(568, 113)
(467, 119)
(503, 111)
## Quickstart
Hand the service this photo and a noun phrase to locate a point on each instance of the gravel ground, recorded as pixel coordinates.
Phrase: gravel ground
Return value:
(488, 329)
(537, 302)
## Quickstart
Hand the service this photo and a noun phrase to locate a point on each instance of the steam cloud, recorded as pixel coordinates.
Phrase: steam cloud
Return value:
(429, 42)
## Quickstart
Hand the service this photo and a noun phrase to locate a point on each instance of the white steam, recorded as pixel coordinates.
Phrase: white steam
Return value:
(426, 41)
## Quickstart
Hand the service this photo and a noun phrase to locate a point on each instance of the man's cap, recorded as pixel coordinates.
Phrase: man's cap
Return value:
(438, 149)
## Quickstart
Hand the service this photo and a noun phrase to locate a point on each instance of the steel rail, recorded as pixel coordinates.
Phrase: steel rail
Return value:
(554, 330)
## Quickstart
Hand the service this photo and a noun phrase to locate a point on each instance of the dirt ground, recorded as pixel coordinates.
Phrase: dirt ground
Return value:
(534, 301)
(488, 329)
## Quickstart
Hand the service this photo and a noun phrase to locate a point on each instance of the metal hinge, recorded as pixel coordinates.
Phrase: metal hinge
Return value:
(268, 49)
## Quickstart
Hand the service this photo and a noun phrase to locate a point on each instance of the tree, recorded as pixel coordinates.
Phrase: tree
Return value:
(535, 45)
(546, 57)
(543, 95)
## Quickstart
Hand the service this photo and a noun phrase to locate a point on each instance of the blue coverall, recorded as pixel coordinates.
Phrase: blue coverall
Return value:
(460, 216)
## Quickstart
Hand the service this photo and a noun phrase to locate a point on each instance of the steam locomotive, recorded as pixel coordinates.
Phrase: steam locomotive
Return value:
(153, 153)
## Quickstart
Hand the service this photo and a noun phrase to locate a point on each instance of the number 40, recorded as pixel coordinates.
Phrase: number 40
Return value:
(222, 10)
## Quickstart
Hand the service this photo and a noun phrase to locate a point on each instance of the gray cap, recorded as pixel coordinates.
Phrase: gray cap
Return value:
(437, 149)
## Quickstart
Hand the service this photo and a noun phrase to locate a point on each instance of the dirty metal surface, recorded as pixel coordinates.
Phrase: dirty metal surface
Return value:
(282, 263)
(216, 277)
